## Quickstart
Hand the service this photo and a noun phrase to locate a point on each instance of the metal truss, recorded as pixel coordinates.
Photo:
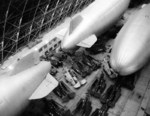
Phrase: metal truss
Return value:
(25, 25)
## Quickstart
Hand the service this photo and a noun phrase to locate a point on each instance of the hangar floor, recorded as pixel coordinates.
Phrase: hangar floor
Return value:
(134, 102)
(131, 103)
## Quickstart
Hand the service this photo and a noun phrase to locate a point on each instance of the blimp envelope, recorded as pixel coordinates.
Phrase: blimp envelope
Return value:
(48, 85)
(96, 19)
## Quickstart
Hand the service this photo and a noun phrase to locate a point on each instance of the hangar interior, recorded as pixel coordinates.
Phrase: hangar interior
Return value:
(87, 85)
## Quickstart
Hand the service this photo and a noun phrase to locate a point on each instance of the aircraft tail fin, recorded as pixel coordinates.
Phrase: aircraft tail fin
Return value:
(47, 85)
(87, 43)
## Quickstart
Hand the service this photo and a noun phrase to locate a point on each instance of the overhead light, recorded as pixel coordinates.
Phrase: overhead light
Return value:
(36, 49)
(46, 41)
(143, 5)
(11, 67)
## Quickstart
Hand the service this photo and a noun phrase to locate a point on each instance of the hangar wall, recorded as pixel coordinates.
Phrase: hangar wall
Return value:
(22, 22)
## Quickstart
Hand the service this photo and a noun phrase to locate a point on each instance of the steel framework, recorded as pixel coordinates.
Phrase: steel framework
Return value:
(21, 26)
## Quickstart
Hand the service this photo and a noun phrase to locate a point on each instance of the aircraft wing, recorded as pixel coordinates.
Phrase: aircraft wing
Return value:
(47, 85)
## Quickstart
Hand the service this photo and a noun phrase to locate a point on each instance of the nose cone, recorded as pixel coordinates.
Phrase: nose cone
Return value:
(128, 57)
(125, 56)
(131, 49)
(122, 67)
(68, 44)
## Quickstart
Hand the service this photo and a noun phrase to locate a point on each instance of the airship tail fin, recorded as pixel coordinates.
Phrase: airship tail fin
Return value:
(71, 27)
(74, 23)
(87, 43)
(47, 85)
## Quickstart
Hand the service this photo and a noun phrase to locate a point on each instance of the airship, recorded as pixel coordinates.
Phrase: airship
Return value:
(93, 21)
(17, 90)
(131, 48)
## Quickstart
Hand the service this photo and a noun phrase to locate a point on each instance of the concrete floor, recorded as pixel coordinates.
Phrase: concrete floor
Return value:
(131, 103)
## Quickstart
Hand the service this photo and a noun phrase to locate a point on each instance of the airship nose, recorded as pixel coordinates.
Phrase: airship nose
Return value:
(67, 48)
(122, 68)
(67, 45)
